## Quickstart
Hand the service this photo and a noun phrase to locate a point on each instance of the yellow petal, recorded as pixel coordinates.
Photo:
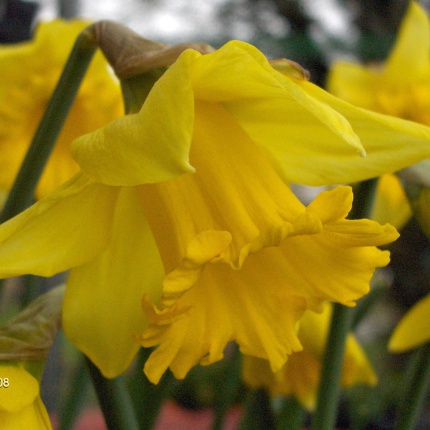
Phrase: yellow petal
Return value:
(390, 144)
(101, 310)
(240, 77)
(391, 204)
(149, 146)
(413, 329)
(67, 228)
(22, 388)
(410, 57)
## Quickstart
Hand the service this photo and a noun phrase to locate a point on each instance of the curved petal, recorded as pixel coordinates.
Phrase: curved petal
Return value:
(409, 59)
(413, 329)
(390, 144)
(150, 146)
(238, 74)
(65, 229)
(101, 310)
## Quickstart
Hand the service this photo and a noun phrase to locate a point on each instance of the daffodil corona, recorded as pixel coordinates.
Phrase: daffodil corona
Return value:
(185, 208)
(28, 76)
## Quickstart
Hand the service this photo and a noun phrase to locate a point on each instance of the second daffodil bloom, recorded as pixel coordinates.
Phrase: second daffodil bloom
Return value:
(300, 375)
(28, 75)
(185, 207)
(399, 87)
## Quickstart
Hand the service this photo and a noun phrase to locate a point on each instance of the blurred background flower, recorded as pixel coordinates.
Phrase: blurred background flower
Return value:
(30, 69)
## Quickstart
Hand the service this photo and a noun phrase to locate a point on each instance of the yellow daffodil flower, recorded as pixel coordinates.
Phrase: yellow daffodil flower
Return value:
(399, 87)
(413, 329)
(186, 204)
(300, 375)
(20, 404)
(28, 76)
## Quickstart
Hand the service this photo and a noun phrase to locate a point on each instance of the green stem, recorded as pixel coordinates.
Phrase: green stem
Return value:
(341, 322)
(329, 389)
(257, 414)
(22, 193)
(76, 396)
(291, 415)
(228, 389)
(147, 397)
(417, 381)
(114, 399)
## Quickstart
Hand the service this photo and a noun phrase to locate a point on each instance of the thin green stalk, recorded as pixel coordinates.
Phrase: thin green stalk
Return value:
(329, 389)
(114, 399)
(228, 389)
(341, 322)
(76, 396)
(257, 414)
(291, 415)
(147, 397)
(22, 193)
(417, 382)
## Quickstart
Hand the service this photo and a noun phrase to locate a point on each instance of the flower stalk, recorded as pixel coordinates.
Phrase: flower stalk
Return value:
(417, 381)
(291, 415)
(329, 389)
(341, 323)
(114, 400)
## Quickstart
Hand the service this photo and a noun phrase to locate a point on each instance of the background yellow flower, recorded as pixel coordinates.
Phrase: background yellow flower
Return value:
(28, 76)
